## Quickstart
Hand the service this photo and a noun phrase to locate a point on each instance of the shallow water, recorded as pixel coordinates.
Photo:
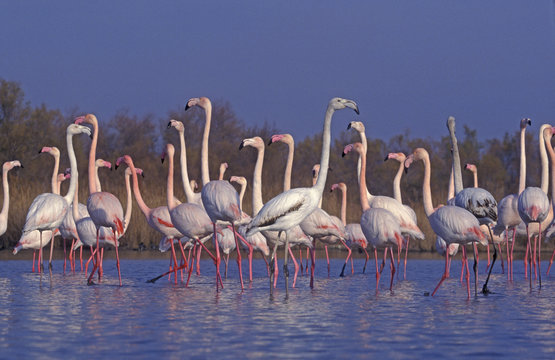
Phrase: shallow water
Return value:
(59, 316)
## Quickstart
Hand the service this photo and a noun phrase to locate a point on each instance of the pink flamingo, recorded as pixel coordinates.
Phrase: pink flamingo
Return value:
(380, 226)
(290, 208)
(158, 218)
(48, 210)
(354, 236)
(104, 208)
(507, 209)
(189, 219)
(452, 223)
(8, 165)
(400, 157)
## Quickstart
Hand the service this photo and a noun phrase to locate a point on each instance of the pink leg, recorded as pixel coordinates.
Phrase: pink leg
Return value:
(296, 267)
(366, 261)
(268, 266)
(501, 256)
(377, 269)
(238, 256)
(65, 256)
(191, 264)
(199, 250)
(117, 259)
(174, 257)
(170, 268)
(406, 255)
(508, 256)
(88, 261)
(489, 261)
(348, 256)
(35, 253)
(445, 273)
(39, 265)
(392, 267)
(307, 256)
(51, 251)
(352, 266)
(81, 257)
(301, 259)
(534, 258)
(313, 265)
(327, 258)
(526, 260)
(276, 270)
(512, 255)
(550, 263)
(540, 253)
(90, 281)
(249, 256)
(467, 276)
(183, 258)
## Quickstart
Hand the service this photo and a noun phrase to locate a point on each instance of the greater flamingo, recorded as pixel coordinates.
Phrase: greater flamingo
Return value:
(380, 226)
(291, 207)
(452, 223)
(8, 165)
(104, 208)
(48, 210)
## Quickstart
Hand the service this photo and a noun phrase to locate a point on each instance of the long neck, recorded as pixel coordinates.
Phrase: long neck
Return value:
(54, 182)
(257, 202)
(288, 167)
(129, 208)
(97, 179)
(451, 190)
(74, 172)
(344, 205)
(189, 193)
(325, 158)
(397, 183)
(364, 143)
(142, 205)
(75, 206)
(314, 179)
(456, 161)
(475, 173)
(522, 175)
(362, 182)
(6, 205)
(170, 199)
(92, 160)
(545, 163)
(426, 188)
(549, 148)
(242, 193)
(204, 152)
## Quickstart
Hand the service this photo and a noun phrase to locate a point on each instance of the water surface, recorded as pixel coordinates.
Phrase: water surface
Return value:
(58, 315)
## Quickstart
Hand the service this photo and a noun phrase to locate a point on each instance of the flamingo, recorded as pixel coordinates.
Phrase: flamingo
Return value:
(296, 235)
(189, 219)
(380, 226)
(452, 223)
(406, 217)
(157, 218)
(547, 136)
(188, 186)
(104, 208)
(204, 103)
(507, 209)
(6, 167)
(354, 236)
(477, 201)
(401, 157)
(291, 207)
(48, 210)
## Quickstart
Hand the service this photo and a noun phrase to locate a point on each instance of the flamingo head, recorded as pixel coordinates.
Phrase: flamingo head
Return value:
(357, 125)
(525, 122)
(399, 156)
(52, 150)
(338, 103)
(255, 142)
(194, 184)
(241, 180)
(8, 165)
(124, 159)
(178, 125)
(470, 167)
(74, 129)
(202, 102)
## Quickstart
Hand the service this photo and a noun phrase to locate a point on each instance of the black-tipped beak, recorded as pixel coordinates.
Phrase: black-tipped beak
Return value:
(40, 151)
(143, 175)
(349, 126)
(241, 146)
(187, 107)
(386, 158)
(530, 122)
(162, 160)
(270, 142)
(22, 166)
(115, 167)
(357, 111)
(343, 154)
(406, 170)
(170, 123)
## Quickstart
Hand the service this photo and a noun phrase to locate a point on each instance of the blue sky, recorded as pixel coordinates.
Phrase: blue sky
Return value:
(408, 64)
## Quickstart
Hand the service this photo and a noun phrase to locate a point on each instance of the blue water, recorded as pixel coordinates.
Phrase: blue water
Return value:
(54, 316)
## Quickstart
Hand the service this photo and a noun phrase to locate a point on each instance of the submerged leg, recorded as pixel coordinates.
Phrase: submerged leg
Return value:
(445, 273)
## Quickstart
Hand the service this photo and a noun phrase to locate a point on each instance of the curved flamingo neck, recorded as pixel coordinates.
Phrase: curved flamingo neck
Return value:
(54, 182)
(522, 175)
(362, 181)
(97, 179)
(74, 172)
(344, 204)
(75, 206)
(129, 206)
(325, 157)
(257, 202)
(364, 142)
(551, 153)
(426, 187)
(475, 175)
(92, 159)
(315, 174)
(544, 161)
(6, 204)
(397, 183)
(451, 189)
(142, 205)
(189, 193)
(242, 193)
(289, 166)
(170, 199)
(204, 152)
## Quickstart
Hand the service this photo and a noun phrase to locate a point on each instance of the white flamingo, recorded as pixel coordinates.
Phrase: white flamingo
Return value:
(6, 167)
(291, 207)
(452, 223)
(48, 210)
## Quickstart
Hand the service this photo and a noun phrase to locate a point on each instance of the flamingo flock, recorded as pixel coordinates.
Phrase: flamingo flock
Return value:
(470, 217)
